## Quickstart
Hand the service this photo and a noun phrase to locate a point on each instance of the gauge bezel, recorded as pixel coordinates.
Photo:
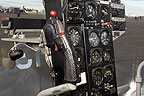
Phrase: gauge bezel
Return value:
(97, 33)
(102, 71)
(79, 32)
(109, 37)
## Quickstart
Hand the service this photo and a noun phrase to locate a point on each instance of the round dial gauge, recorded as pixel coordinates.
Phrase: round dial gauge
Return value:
(105, 38)
(108, 73)
(106, 56)
(94, 39)
(96, 57)
(104, 11)
(97, 77)
(75, 10)
(91, 11)
(74, 36)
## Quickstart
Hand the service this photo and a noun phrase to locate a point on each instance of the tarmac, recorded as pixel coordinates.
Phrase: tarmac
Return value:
(129, 52)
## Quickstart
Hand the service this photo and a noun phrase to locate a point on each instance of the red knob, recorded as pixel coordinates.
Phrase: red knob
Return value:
(53, 13)
(108, 23)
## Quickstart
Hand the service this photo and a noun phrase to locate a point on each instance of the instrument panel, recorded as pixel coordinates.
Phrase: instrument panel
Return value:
(93, 45)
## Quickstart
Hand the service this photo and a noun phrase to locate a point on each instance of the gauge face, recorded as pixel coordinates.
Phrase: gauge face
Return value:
(104, 11)
(91, 11)
(94, 39)
(75, 10)
(97, 77)
(96, 57)
(108, 73)
(74, 36)
(106, 56)
(105, 38)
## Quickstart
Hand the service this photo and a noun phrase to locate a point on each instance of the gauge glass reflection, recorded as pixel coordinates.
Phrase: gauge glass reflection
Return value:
(94, 39)
(98, 77)
(105, 38)
(74, 36)
(91, 11)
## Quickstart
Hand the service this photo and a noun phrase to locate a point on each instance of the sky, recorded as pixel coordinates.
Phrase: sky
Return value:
(133, 7)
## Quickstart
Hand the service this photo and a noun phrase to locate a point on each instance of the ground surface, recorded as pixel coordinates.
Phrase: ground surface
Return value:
(129, 52)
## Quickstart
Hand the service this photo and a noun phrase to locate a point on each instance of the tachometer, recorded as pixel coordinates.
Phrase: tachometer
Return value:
(74, 36)
(94, 39)
(105, 38)
(91, 11)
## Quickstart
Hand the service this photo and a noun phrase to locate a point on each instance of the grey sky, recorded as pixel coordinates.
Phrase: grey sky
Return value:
(133, 7)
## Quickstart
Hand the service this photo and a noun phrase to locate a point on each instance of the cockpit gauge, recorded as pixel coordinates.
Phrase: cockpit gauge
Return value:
(74, 36)
(105, 38)
(91, 11)
(94, 39)
(104, 11)
(106, 56)
(96, 57)
(97, 76)
(108, 75)
(75, 10)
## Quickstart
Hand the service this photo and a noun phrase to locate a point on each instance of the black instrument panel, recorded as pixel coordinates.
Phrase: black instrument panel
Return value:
(93, 45)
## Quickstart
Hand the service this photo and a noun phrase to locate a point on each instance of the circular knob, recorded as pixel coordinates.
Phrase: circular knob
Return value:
(53, 13)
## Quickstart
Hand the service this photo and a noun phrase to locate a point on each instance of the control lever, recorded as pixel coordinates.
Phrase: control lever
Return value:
(54, 33)
(57, 90)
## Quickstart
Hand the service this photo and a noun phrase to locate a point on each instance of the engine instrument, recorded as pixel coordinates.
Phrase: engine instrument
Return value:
(108, 73)
(105, 38)
(94, 39)
(91, 11)
(75, 10)
(97, 76)
(74, 36)
(96, 57)
(106, 56)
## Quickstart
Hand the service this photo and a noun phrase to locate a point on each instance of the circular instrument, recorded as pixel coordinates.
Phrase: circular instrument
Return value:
(97, 76)
(108, 73)
(74, 36)
(104, 11)
(106, 56)
(96, 57)
(105, 38)
(94, 39)
(75, 10)
(91, 11)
